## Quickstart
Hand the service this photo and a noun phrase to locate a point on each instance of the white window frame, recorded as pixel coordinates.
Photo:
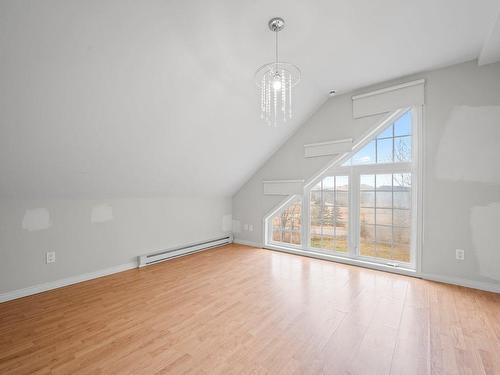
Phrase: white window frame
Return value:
(414, 167)
(417, 170)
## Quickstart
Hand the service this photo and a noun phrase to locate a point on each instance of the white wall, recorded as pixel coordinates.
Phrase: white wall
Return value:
(89, 235)
(459, 197)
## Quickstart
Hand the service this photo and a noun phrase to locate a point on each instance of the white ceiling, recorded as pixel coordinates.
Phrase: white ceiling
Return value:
(157, 97)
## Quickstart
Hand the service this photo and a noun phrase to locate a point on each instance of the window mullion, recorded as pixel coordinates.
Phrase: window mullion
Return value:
(354, 195)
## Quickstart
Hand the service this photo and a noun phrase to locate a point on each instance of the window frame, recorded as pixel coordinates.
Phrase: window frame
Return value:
(354, 172)
(335, 167)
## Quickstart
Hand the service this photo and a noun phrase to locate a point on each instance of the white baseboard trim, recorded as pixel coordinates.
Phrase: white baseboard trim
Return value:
(247, 243)
(35, 289)
(481, 285)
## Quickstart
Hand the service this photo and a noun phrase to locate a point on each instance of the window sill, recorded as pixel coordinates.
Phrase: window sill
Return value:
(344, 260)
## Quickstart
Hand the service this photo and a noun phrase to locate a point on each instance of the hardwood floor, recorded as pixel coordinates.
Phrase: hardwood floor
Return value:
(241, 310)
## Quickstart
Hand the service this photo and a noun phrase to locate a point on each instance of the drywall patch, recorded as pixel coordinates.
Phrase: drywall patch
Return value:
(101, 213)
(36, 219)
(468, 150)
(484, 226)
(227, 223)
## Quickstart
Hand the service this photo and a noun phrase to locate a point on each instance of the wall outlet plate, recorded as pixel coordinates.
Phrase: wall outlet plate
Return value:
(50, 257)
(460, 254)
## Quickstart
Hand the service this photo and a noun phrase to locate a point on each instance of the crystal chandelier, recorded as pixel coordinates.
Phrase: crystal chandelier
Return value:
(275, 81)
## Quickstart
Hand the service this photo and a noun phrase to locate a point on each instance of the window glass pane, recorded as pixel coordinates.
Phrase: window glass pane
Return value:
(367, 233)
(328, 198)
(367, 248)
(383, 233)
(383, 250)
(402, 235)
(402, 181)
(402, 218)
(329, 183)
(403, 125)
(367, 182)
(315, 240)
(401, 252)
(367, 216)
(366, 155)
(286, 237)
(342, 183)
(384, 216)
(327, 242)
(341, 243)
(367, 199)
(276, 235)
(286, 220)
(342, 198)
(367, 240)
(384, 199)
(402, 199)
(384, 182)
(384, 150)
(316, 197)
(295, 239)
(328, 218)
(315, 230)
(276, 221)
(387, 133)
(341, 219)
(402, 149)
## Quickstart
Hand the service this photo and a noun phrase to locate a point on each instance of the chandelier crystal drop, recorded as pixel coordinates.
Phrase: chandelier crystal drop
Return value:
(275, 81)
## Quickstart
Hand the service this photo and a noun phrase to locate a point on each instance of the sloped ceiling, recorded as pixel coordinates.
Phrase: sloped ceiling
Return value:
(157, 97)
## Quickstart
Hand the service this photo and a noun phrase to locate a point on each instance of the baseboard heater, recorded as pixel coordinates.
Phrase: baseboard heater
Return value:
(145, 260)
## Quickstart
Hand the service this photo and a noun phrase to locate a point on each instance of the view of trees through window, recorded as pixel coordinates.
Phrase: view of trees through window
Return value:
(287, 224)
(329, 214)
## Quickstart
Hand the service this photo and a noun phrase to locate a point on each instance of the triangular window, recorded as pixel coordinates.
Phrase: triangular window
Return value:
(391, 145)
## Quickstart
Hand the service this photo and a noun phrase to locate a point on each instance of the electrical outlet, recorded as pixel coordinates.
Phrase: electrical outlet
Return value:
(250, 227)
(50, 257)
(460, 254)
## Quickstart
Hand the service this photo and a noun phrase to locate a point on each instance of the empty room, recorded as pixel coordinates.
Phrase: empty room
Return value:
(250, 187)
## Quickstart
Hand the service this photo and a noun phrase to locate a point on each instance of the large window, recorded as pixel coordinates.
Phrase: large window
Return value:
(364, 205)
